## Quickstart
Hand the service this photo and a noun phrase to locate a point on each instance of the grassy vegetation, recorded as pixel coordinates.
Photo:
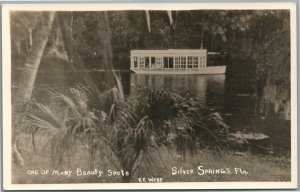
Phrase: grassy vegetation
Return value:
(259, 168)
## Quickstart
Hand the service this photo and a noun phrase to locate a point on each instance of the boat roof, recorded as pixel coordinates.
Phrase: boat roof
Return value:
(169, 51)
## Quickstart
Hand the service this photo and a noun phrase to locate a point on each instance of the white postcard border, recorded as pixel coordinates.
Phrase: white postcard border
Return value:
(6, 82)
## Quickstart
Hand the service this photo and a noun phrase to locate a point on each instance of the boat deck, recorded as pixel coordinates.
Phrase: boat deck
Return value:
(202, 71)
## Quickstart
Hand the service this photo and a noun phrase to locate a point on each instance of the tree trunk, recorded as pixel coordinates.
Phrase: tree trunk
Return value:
(26, 45)
(233, 36)
(30, 38)
(32, 63)
(202, 35)
(65, 22)
(18, 45)
(107, 56)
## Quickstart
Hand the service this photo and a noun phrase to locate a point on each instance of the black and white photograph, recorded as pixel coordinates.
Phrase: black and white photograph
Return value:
(166, 96)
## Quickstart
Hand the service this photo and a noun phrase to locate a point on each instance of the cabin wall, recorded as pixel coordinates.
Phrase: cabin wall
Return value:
(176, 61)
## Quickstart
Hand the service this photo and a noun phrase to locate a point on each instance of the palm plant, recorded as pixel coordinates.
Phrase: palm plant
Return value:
(136, 135)
(51, 124)
(62, 122)
(216, 125)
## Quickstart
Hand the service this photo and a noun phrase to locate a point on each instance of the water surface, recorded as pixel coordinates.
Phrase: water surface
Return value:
(208, 88)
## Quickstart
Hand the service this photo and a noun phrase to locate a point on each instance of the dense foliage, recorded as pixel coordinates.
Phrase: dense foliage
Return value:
(231, 32)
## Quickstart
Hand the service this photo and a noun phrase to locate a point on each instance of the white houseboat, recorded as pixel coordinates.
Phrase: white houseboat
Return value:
(172, 61)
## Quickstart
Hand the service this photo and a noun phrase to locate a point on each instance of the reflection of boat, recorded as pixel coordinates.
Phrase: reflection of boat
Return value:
(172, 61)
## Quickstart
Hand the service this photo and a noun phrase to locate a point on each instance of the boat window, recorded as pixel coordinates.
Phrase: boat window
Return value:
(147, 62)
(171, 62)
(195, 62)
(135, 62)
(166, 62)
(177, 63)
(158, 62)
(200, 61)
(190, 62)
(142, 62)
(152, 60)
(183, 62)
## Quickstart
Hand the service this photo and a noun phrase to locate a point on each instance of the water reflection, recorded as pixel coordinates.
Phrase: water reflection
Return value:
(209, 88)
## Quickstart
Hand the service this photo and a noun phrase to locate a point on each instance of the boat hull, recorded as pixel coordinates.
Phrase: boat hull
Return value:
(203, 71)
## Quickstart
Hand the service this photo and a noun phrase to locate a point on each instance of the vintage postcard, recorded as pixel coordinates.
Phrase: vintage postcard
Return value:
(149, 96)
